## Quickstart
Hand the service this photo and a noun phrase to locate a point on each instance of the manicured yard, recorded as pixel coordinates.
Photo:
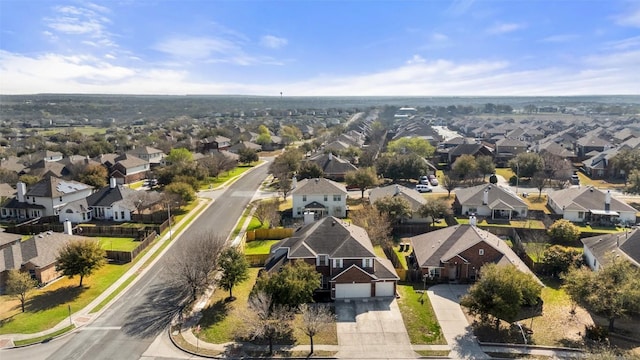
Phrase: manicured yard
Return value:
(48, 306)
(226, 176)
(402, 256)
(596, 229)
(441, 196)
(418, 315)
(537, 203)
(526, 224)
(223, 320)
(259, 247)
(601, 184)
(506, 173)
(118, 244)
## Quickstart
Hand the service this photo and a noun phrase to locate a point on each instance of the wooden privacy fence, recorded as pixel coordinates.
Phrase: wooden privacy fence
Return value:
(269, 234)
(256, 259)
(124, 257)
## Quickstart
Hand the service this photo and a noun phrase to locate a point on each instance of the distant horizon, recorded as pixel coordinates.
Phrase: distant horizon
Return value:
(464, 48)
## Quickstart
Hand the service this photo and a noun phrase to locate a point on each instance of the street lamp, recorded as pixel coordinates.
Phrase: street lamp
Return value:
(169, 215)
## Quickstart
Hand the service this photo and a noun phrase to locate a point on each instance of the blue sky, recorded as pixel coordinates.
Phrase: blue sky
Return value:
(326, 48)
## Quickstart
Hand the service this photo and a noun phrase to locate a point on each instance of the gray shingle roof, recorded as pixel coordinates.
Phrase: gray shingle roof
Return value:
(412, 196)
(604, 246)
(586, 198)
(318, 187)
(53, 187)
(473, 196)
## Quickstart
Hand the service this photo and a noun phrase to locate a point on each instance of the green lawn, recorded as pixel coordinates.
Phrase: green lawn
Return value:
(48, 306)
(506, 173)
(259, 247)
(222, 320)
(118, 244)
(136, 185)
(526, 224)
(604, 230)
(402, 256)
(419, 317)
(226, 176)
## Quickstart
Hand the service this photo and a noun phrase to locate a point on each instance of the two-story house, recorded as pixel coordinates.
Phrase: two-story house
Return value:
(152, 155)
(320, 196)
(129, 168)
(343, 254)
(44, 198)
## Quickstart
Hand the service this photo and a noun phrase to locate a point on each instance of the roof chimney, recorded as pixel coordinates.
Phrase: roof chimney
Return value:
(22, 190)
(68, 228)
(607, 197)
(472, 220)
(485, 197)
(294, 183)
(397, 190)
(112, 182)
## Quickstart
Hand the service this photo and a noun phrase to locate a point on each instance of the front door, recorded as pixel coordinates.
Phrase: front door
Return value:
(453, 272)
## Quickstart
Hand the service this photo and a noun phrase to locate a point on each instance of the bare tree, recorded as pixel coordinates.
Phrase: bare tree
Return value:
(539, 180)
(450, 183)
(267, 211)
(315, 318)
(193, 265)
(266, 320)
(376, 223)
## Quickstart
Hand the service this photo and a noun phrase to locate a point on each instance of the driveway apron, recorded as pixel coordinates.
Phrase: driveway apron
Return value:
(372, 329)
(445, 300)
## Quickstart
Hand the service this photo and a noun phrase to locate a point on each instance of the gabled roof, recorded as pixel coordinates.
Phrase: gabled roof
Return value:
(605, 247)
(331, 164)
(107, 196)
(587, 198)
(40, 250)
(467, 149)
(593, 140)
(434, 248)
(511, 142)
(330, 236)
(52, 186)
(147, 150)
(473, 196)
(412, 196)
(129, 161)
(319, 186)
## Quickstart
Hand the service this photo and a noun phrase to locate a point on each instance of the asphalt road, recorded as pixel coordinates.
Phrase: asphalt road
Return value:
(127, 328)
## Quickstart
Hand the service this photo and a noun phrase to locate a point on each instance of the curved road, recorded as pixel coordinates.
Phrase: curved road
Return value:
(127, 328)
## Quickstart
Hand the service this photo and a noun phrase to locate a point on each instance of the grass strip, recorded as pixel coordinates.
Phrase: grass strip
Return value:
(44, 338)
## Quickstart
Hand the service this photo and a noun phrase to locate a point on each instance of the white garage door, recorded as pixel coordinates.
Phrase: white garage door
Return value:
(353, 291)
(384, 289)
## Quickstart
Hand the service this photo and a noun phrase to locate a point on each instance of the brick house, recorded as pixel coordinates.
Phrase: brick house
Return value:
(129, 169)
(457, 253)
(343, 254)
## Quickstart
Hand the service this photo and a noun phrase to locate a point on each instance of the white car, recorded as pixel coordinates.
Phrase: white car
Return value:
(423, 188)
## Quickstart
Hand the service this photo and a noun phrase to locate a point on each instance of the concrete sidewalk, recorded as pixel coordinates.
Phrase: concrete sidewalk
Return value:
(83, 316)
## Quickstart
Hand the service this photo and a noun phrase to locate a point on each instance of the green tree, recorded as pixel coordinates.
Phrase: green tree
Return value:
(293, 285)
(80, 257)
(234, 267)
(362, 178)
(500, 292)
(184, 190)
(613, 290)
(29, 179)
(564, 231)
(626, 161)
(247, 156)
(485, 165)
(398, 167)
(434, 208)
(411, 145)
(395, 207)
(633, 181)
(465, 166)
(526, 164)
(94, 175)
(315, 318)
(290, 134)
(263, 139)
(576, 284)
(179, 156)
(262, 129)
(19, 284)
(558, 259)
(309, 170)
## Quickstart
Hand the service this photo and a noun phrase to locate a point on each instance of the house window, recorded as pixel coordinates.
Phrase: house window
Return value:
(326, 198)
(366, 263)
(473, 210)
(116, 214)
(323, 260)
(304, 197)
(61, 198)
(34, 199)
(481, 252)
(337, 263)
(84, 216)
(337, 197)
(122, 215)
(434, 273)
(580, 214)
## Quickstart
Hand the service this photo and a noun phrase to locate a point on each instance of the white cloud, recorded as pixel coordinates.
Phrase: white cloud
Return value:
(504, 28)
(631, 18)
(88, 21)
(560, 38)
(613, 73)
(196, 48)
(438, 37)
(273, 42)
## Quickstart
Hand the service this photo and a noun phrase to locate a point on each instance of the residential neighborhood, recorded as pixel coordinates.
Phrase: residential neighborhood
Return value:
(405, 211)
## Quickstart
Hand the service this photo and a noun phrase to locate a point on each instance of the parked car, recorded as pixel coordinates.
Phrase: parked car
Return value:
(432, 180)
(575, 179)
(423, 180)
(423, 188)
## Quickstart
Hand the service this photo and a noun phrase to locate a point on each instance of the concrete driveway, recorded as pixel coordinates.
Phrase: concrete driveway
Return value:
(372, 329)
